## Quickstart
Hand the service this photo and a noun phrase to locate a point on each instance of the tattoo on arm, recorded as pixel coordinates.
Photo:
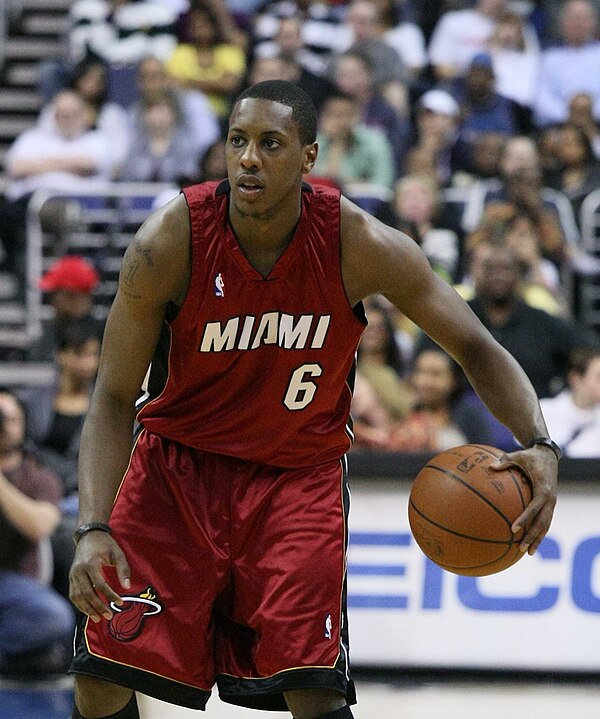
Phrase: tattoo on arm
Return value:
(133, 259)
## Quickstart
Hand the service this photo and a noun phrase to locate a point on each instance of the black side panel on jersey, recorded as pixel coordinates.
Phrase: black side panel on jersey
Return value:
(159, 370)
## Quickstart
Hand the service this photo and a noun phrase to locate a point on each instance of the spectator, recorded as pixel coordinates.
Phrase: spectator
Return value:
(571, 68)
(539, 341)
(482, 108)
(581, 114)
(320, 25)
(370, 421)
(521, 186)
(159, 153)
(505, 223)
(285, 66)
(460, 35)
(208, 63)
(56, 411)
(442, 416)
(363, 31)
(353, 75)
(198, 119)
(573, 416)
(349, 152)
(121, 31)
(36, 623)
(380, 361)
(483, 161)
(578, 172)
(404, 36)
(70, 283)
(417, 209)
(437, 115)
(118, 33)
(90, 81)
(516, 58)
(289, 41)
(64, 155)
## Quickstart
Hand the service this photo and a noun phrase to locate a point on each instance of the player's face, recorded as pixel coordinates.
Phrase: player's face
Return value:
(265, 158)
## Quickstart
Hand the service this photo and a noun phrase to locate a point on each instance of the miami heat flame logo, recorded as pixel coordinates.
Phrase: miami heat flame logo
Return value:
(129, 618)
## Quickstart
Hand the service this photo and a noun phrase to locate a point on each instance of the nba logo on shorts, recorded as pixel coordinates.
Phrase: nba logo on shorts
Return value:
(219, 286)
(328, 626)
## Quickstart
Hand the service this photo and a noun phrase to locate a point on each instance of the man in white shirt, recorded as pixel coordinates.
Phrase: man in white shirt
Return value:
(573, 416)
(572, 68)
(65, 155)
(62, 155)
(460, 35)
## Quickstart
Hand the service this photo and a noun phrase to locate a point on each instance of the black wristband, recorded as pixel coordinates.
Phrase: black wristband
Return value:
(90, 527)
(547, 442)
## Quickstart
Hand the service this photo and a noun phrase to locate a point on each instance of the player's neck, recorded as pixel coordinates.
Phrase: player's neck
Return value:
(263, 239)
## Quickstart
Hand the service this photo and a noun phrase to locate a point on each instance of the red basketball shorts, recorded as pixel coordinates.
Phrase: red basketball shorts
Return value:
(238, 576)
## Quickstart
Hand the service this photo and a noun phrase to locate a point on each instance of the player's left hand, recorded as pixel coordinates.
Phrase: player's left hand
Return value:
(540, 465)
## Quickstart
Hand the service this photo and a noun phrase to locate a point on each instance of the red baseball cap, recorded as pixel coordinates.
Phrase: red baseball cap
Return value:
(70, 273)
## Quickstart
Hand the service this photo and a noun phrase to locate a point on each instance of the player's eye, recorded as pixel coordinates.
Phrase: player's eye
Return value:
(270, 144)
(236, 141)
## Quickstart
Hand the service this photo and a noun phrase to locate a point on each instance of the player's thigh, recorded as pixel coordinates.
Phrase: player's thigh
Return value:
(310, 703)
(290, 578)
(97, 698)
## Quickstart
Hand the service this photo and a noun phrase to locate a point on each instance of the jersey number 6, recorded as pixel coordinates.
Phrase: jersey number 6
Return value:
(301, 390)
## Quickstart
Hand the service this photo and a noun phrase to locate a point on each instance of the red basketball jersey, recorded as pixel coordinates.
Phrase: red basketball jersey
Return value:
(259, 368)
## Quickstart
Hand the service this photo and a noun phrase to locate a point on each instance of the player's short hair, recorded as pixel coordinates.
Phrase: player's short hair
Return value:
(286, 93)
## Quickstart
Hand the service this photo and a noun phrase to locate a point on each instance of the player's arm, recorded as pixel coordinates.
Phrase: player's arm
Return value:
(379, 259)
(155, 272)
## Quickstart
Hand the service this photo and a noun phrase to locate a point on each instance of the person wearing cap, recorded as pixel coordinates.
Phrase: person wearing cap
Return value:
(70, 283)
(482, 108)
(436, 121)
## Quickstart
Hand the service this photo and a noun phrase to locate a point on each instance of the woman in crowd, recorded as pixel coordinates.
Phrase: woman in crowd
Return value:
(208, 63)
(578, 171)
(443, 414)
(417, 209)
(159, 152)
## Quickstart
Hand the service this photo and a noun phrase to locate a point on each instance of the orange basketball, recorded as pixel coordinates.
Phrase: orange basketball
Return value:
(460, 511)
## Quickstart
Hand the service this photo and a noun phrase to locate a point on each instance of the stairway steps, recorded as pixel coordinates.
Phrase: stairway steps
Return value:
(40, 23)
(56, 5)
(32, 48)
(13, 125)
(19, 100)
(22, 74)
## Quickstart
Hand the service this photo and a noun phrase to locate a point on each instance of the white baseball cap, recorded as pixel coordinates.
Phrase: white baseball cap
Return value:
(440, 102)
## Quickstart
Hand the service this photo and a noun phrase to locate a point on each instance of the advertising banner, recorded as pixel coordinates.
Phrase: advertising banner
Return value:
(542, 614)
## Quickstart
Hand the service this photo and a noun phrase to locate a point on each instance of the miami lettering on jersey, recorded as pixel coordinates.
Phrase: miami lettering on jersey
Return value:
(249, 332)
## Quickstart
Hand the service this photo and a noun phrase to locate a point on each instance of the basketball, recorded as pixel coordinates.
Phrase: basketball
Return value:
(460, 511)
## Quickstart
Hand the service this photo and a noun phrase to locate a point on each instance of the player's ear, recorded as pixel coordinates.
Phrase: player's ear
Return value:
(310, 157)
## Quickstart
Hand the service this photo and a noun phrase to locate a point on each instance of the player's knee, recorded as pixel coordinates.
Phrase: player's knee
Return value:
(317, 704)
(96, 699)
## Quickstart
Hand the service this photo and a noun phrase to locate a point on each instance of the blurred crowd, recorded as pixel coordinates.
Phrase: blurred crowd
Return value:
(474, 127)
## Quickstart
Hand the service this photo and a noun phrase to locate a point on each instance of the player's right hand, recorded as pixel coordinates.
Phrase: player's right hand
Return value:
(88, 589)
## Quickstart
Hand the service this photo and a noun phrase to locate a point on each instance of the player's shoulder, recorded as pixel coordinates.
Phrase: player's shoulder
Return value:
(359, 226)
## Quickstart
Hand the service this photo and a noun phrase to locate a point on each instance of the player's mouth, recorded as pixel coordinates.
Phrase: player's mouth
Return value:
(249, 186)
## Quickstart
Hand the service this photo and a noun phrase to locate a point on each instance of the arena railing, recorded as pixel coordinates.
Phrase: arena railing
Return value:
(113, 206)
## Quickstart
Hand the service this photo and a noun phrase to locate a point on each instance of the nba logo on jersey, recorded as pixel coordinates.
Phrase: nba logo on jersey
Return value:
(219, 286)
(328, 626)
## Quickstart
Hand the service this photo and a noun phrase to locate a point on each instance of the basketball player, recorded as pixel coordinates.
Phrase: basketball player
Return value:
(215, 550)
